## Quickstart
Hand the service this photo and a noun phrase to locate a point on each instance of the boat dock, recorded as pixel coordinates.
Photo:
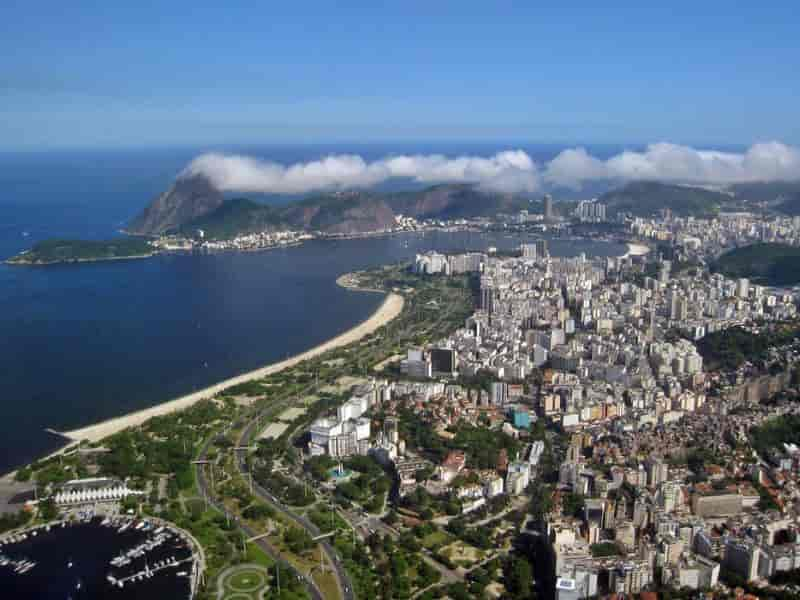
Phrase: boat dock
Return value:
(149, 571)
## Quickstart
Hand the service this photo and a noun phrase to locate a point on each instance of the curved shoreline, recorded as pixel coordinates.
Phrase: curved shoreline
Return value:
(636, 249)
(389, 309)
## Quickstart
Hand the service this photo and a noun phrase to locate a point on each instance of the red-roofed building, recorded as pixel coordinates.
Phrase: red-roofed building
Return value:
(452, 465)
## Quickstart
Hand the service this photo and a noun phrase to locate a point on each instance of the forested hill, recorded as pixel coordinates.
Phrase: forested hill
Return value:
(767, 264)
(647, 198)
(61, 251)
(783, 196)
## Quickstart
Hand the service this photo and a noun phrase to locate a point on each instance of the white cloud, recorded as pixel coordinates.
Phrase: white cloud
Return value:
(509, 171)
(573, 166)
(663, 161)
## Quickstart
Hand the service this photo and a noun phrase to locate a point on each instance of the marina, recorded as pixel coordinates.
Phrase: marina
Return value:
(93, 557)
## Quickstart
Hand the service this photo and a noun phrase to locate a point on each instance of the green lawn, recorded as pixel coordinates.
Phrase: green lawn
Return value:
(437, 538)
(246, 582)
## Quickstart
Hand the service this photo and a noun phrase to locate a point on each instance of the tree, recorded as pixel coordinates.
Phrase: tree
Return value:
(11, 521)
(409, 542)
(399, 565)
(48, 509)
(541, 501)
(518, 577)
(424, 474)
(257, 512)
(318, 466)
(459, 591)
(572, 505)
(428, 575)
(297, 539)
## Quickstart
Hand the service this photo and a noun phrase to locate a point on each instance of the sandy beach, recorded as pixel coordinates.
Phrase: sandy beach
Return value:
(391, 307)
(636, 250)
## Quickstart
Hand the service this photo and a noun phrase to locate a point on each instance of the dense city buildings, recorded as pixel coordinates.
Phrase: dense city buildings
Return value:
(609, 353)
(635, 415)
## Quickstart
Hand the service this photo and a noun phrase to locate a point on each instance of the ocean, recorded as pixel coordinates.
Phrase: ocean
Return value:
(83, 343)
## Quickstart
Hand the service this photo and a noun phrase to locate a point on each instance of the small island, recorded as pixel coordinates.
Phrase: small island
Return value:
(770, 264)
(55, 251)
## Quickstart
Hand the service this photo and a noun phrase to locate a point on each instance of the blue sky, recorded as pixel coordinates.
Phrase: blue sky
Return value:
(173, 73)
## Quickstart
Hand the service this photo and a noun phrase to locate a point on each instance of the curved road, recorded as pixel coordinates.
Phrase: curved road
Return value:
(202, 483)
(342, 579)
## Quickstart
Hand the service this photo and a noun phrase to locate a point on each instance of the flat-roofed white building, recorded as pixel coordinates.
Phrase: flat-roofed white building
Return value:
(92, 490)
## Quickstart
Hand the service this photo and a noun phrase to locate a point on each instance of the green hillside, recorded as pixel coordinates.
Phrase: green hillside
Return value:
(59, 251)
(455, 201)
(767, 264)
(782, 192)
(235, 217)
(647, 198)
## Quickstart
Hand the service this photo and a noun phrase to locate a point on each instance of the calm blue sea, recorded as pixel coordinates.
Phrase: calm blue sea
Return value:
(80, 343)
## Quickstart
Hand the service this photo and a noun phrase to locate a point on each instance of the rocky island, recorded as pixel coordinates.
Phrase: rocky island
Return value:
(55, 251)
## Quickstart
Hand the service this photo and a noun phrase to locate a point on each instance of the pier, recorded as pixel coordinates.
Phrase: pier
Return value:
(148, 571)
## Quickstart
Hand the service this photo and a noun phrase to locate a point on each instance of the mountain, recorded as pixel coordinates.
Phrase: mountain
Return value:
(341, 212)
(344, 212)
(790, 206)
(187, 199)
(235, 217)
(646, 198)
(455, 201)
(766, 264)
(783, 196)
(193, 203)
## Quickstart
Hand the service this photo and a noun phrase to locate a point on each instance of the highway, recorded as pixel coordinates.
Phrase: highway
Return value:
(341, 576)
(340, 573)
(263, 543)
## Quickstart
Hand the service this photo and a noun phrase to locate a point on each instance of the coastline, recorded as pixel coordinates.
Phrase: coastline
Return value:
(389, 309)
(73, 261)
(635, 249)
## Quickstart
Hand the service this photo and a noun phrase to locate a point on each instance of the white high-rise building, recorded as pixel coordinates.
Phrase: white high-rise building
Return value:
(528, 251)
(591, 211)
(742, 287)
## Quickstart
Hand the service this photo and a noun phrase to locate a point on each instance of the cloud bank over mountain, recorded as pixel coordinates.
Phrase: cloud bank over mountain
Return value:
(508, 171)
(511, 171)
(769, 161)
